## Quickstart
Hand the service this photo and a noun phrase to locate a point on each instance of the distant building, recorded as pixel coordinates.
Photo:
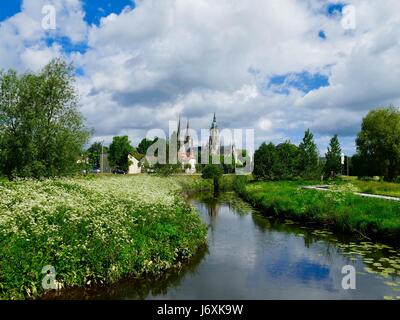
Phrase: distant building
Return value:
(187, 152)
(135, 167)
(214, 142)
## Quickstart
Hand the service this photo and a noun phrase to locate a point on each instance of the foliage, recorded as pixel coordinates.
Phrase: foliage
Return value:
(338, 208)
(378, 143)
(41, 131)
(97, 229)
(287, 166)
(277, 162)
(167, 169)
(309, 159)
(214, 172)
(145, 144)
(94, 154)
(120, 149)
(264, 159)
(333, 165)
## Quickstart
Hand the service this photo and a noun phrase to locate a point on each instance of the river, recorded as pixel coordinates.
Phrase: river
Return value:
(252, 256)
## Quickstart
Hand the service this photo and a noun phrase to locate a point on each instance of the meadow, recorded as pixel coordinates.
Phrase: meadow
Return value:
(92, 230)
(339, 208)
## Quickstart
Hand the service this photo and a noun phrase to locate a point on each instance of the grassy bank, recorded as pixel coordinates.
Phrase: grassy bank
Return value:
(340, 209)
(92, 230)
(378, 187)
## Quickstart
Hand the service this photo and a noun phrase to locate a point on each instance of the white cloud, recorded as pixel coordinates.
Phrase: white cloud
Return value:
(165, 58)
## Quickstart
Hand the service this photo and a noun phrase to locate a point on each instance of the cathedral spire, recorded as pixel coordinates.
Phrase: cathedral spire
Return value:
(214, 123)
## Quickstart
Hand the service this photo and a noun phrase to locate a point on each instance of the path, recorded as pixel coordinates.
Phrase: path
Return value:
(367, 195)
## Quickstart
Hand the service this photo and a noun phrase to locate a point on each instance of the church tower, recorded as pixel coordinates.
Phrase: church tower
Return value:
(214, 144)
(189, 142)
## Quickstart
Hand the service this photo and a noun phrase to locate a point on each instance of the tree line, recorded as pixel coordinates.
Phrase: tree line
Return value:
(43, 134)
(378, 153)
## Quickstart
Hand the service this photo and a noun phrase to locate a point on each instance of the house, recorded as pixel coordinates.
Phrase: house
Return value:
(136, 164)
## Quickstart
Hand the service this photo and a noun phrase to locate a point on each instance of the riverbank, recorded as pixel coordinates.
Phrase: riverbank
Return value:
(93, 230)
(339, 209)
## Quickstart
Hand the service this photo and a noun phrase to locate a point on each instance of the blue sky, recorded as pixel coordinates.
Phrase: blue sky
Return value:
(8, 8)
(94, 9)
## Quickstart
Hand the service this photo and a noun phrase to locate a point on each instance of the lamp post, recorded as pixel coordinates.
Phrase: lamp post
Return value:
(102, 156)
(342, 159)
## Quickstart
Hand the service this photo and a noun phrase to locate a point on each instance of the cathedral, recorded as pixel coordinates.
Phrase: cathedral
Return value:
(188, 153)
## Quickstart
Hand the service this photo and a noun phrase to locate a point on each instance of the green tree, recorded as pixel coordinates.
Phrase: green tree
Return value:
(215, 172)
(309, 158)
(119, 151)
(333, 165)
(265, 158)
(145, 144)
(94, 154)
(287, 164)
(378, 143)
(42, 133)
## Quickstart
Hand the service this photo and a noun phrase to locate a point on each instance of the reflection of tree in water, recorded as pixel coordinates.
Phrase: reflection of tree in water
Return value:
(134, 289)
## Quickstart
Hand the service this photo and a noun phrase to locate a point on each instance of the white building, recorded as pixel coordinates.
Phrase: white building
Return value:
(135, 166)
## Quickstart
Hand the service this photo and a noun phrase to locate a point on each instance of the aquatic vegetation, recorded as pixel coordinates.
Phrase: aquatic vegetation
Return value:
(92, 230)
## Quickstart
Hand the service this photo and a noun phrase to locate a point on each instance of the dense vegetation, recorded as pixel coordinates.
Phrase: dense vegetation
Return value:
(42, 134)
(92, 230)
(287, 161)
(338, 208)
(378, 145)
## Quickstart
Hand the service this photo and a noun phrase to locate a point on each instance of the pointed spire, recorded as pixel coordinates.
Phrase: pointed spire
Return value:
(214, 123)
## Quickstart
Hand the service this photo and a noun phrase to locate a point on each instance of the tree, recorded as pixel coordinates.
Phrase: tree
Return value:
(333, 165)
(94, 154)
(119, 151)
(378, 143)
(309, 159)
(42, 133)
(215, 172)
(287, 164)
(145, 144)
(265, 158)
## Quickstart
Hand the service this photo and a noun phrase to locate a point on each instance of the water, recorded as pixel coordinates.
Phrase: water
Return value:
(250, 256)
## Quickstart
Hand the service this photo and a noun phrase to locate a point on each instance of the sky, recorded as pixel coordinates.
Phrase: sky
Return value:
(278, 66)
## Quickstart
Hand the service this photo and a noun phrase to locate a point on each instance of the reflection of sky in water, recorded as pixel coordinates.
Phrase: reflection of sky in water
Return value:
(248, 259)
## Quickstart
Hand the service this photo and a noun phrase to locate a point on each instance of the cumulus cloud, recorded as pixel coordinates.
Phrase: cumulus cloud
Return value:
(161, 59)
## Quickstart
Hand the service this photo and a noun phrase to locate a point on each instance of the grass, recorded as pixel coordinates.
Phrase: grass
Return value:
(92, 230)
(379, 188)
(340, 209)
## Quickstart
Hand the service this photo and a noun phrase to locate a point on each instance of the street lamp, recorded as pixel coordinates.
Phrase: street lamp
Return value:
(102, 157)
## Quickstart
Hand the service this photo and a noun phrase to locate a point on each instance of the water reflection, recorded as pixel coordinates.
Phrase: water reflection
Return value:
(251, 256)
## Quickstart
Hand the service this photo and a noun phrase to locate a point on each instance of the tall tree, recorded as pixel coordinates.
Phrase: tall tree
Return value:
(94, 154)
(333, 165)
(287, 166)
(378, 143)
(145, 144)
(42, 133)
(214, 172)
(119, 151)
(265, 158)
(309, 158)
